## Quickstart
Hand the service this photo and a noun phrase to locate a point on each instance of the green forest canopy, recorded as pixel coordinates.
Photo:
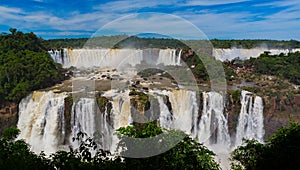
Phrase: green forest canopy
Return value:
(25, 66)
(283, 66)
(119, 41)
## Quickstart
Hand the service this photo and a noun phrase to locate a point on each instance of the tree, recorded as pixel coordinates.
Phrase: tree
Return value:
(10, 133)
(187, 154)
(283, 66)
(13, 31)
(281, 151)
(17, 155)
(25, 66)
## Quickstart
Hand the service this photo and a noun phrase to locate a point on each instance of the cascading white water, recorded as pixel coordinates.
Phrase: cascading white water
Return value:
(165, 117)
(184, 106)
(120, 108)
(243, 54)
(104, 58)
(167, 57)
(56, 56)
(83, 118)
(213, 128)
(250, 123)
(114, 58)
(106, 130)
(121, 114)
(42, 122)
(59, 56)
(179, 57)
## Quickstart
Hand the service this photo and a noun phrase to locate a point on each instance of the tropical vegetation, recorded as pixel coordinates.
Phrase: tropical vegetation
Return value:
(25, 66)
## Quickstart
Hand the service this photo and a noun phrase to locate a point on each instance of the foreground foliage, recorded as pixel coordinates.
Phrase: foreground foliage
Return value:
(181, 151)
(282, 151)
(187, 154)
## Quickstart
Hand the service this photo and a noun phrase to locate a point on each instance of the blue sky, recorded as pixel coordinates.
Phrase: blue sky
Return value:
(222, 19)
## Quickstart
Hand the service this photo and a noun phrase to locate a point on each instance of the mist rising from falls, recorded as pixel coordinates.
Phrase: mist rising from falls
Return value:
(250, 123)
(114, 58)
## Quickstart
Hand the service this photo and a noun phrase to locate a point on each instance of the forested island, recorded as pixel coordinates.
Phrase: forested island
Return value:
(25, 66)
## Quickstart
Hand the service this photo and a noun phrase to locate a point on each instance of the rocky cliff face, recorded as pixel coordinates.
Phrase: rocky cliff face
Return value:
(8, 116)
(279, 111)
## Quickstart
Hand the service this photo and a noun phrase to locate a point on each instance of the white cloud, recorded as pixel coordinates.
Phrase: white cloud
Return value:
(123, 6)
(15, 17)
(62, 33)
(235, 24)
(210, 2)
(164, 24)
(4, 9)
(282, 3)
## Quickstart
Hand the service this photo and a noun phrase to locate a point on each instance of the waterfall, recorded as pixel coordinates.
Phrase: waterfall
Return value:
(83, 118)
(59, 56)
(56, 56)
(120, 108)
(250, 123)
(184, 106)
(213, 128)
(165, 117)
(167, 57)
(41, 121)
(114, 58)
(106, 130)
(104, 58)
(121, 114)
(244, 54)
(179, 57)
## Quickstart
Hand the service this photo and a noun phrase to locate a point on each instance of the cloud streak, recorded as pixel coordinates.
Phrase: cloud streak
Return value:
(211, 2)
(218, 19)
